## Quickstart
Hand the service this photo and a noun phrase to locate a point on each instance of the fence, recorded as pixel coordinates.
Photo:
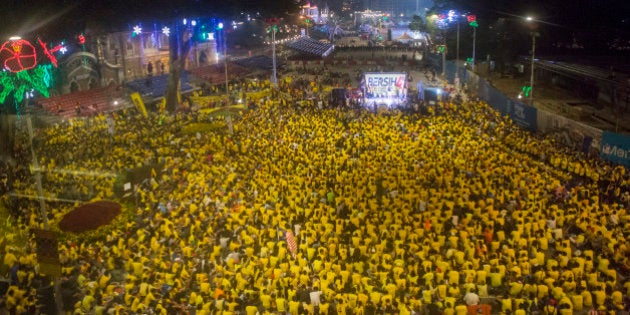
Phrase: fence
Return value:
(612, 147)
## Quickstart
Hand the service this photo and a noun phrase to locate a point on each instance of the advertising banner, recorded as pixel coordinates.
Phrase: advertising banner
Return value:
(522, 115)
(616, 148)
(385, 87)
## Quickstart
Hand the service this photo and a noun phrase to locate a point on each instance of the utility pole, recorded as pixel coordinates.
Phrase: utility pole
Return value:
(531, 75)
(274, 79)
(42, 208)
(472, 66)
(457, 49)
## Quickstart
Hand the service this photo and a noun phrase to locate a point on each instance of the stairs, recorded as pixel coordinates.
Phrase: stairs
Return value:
(40, 116)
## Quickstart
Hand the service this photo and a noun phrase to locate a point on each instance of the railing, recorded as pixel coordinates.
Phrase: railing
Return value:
(613, 147)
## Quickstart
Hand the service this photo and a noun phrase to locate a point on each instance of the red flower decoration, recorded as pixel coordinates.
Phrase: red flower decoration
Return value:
(18, 55)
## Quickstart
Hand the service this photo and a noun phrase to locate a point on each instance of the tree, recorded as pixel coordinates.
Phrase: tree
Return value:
(417, 24)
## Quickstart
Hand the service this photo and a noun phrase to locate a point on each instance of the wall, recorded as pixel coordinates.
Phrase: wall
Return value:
(612, 147)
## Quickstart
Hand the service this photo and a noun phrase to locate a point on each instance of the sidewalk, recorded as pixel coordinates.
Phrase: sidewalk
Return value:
(562, 102)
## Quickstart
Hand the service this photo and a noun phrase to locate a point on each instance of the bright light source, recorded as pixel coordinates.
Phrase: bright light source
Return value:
(15, 38)
(185, 21)
(438, 91)
(115, 103)
(166, 31)
(193, 23)
(220, 26)
(529, 18)
(63, 50)
(137, 29)
(210, 36)
(451, 15)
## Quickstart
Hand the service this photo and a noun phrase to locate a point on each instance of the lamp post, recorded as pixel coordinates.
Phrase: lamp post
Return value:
(472, 21)
(223, 42)
(457, 47)
(444, 59)
(531, 75)
(307, 21)
(228, 117)
(274, 78)
(472, 66)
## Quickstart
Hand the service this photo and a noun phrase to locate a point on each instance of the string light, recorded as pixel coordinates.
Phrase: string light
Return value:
(137, 30)
(19, 84)
(166, 31)
(18, 55)
(49, 52)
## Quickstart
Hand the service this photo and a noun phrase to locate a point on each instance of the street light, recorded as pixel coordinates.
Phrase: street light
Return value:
(223, 43)
(274, 78)
(530, 19)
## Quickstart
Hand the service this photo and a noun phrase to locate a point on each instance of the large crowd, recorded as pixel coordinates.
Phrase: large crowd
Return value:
(330, 211)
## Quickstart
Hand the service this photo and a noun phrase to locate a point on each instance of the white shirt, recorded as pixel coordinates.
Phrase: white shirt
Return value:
(471, 298)
(315, 297)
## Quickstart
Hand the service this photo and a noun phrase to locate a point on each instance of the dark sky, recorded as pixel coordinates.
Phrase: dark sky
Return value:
(574, 14)
(22, 17)
(51, 17)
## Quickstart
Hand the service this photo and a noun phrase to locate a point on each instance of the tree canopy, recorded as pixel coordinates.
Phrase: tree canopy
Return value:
(417, 24)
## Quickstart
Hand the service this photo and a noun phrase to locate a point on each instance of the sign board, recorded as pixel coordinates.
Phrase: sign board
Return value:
(616, 148)
(388, 88)
(47, 252)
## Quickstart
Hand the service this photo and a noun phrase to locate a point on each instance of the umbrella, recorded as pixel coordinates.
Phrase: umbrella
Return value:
(90, 216)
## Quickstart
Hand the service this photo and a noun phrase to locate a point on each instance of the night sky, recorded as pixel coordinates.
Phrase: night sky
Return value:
(574, 14)
(594, 18)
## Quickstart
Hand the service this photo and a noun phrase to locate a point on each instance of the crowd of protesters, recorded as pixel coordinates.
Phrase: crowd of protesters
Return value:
(303, 210)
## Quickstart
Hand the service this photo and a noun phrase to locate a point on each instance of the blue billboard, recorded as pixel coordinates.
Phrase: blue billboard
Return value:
(616, 148)
(523, 115)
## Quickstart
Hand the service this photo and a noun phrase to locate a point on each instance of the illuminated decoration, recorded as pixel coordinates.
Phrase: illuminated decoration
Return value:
(220, 26)
(63, 50)
(185, 21)
(193, 23)
(442, 22)
(49, 52)
(81, 39)
(526, 90)
(166, 31)
(18, 55)
(137, 30)
(24, 82)
(451, 16)
(442, 48)
(472, 20)
(210, 36)
(272, 28)
(272, 24)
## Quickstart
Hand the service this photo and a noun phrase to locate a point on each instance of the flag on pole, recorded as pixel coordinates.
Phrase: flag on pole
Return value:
(291, 243)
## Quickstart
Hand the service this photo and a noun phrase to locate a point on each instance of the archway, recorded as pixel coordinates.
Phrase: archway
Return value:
(93, 84)
(74, 87)
(203, 58)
